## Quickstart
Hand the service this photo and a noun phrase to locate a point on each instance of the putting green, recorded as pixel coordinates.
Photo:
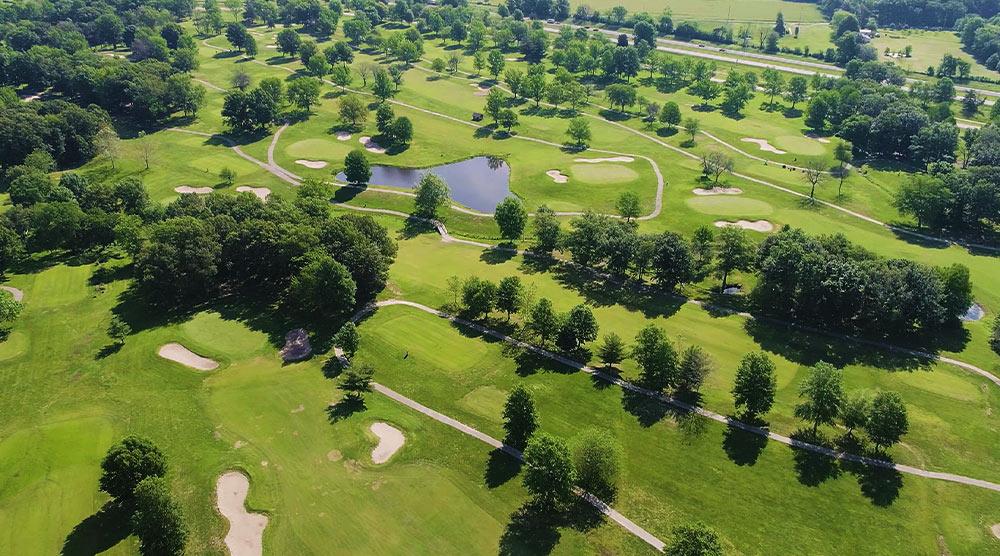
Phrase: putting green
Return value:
(314, 149)
(730, 206)
(799, 144)
(602, 173)
(485, 401)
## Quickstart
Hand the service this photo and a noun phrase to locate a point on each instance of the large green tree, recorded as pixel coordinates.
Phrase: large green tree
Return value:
(127, 463)
(548, 471)
(755, 384)
(158, 520)
(520, 420)
(823, 395)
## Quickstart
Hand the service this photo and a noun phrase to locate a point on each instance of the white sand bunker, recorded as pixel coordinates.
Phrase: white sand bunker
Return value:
(246, 530)
(180, 354)
(17, 294)
(609, 159)
(763, 144)
(314, 164)
(975, 312)
(371, 146)
(557, 176)
(390, 440)
(756, 225)
(996, 530)
(343, 136)
(717, 191)
(187, 189)
(817, 137)
(297, 346)
(260, 192)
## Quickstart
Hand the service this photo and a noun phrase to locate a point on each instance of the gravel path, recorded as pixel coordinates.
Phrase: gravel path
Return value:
(718, 417)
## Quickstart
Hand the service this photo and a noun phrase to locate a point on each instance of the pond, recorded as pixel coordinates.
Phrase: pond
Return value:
(479, 183)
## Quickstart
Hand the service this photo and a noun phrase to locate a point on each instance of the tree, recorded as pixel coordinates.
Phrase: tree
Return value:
(402, 131)
(735, 251)
(670, 114)
(507, 119)
(356, 167)
(107, 143)
(127, 463)
(10, 308)
(813, 173)
(597, 460)
(823, 395)
(797, 91)
(691, 126)
(511, 217)
(628, 205)
(887, 419)
(348, 339)
(519, 417)
(926, 198)
(656, 358)
(353, 110)
(341, 75)
(706, 89)
(356, 380)
(547, 230)
(612, 350)
(672, 262)
(543, 320)
(324, 287)
(158, 520)
(432, 194)
(382, 85)
(696, 539)
(774, 84)
(478, 62)
(288, 41)
(695, 365)
(843, 153)
(621, 94)
(579, 132)
(779, 25)
(495, 101)
(496, 63)
(715, 163)
(702, 249)
(11, 248)
(854, 412)
(118, 329)
(478, 296)
(995, 335)
(755, 384)
(578, 327)
(548, 473)
(304, 92)
(510, 295)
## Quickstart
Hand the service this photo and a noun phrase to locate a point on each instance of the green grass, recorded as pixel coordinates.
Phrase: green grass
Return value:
(928, 48)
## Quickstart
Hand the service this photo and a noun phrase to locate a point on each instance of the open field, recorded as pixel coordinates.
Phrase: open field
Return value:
(928, 48)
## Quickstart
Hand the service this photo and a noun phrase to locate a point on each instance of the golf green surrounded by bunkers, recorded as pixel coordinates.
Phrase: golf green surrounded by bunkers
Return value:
(69, 393)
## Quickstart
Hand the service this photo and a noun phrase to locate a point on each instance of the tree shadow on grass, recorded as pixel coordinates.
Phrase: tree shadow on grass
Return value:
(813, 468)
(879, 484)
(99, 532)
(347, 406)
(497, 255)
(743, 447)
(500, 468)
(108, 350)
(645, 409)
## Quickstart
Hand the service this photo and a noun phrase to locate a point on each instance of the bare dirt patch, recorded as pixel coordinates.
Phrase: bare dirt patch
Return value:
(608, 159)
(17, 294)
(371, 146)
(334, 455)
(296, 346)
(557, 176)
(717, 191)
(763, 144)
(180, 354)
(343, 136)
(756, 225)
(246, 529)
(187, 189)
(260, 192)
(314, 164)
(390, 440)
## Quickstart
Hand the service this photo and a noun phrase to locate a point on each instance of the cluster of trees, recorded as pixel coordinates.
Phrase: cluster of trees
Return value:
(67, 134)
(963, 203)
(932, 14)
(828, 281)
(249, 110)
(539, 9)
(981, 38)
(132, 473)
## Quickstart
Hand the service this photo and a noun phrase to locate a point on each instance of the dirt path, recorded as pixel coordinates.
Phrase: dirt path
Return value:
(718, 417)
(604, 508)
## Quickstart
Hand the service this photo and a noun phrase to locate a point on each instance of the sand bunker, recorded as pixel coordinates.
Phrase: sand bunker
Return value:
(17, 294)
(343, 136)
(557, 176)
(717, 191)
(756, 225)
(763, 144)
(297, 346)
(246, 530)
(390, 440)
(731, 290)
(186, 189)
(974, 313)
(371, 146)
(180, 354)
(314, 164)
(609, 159)
(996, 530)
(260, 192)
(817, 137)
